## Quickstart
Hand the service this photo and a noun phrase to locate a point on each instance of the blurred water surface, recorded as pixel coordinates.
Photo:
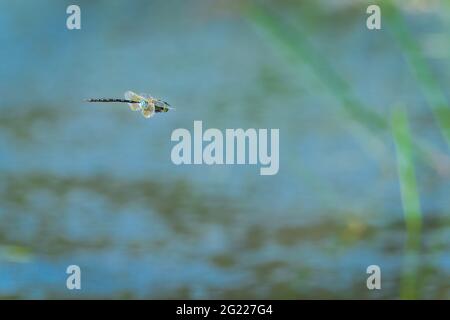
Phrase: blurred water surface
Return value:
(94, 185)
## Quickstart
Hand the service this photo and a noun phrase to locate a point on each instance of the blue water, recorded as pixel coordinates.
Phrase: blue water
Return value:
(94, 185)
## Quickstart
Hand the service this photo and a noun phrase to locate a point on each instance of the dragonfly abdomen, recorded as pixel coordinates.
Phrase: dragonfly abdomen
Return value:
(111, 100)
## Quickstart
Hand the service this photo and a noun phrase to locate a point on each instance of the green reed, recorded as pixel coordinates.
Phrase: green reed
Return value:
(410, 202)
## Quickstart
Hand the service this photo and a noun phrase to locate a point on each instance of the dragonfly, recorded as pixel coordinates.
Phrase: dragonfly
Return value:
(140, 102)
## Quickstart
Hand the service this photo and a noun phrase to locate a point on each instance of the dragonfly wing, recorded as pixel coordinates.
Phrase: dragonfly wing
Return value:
(130, 95)
(146, 96)
(149, 111)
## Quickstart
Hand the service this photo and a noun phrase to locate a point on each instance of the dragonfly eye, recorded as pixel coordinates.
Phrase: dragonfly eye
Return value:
(164, 106)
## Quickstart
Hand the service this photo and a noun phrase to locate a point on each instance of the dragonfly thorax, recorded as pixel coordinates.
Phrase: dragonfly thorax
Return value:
(143, 104)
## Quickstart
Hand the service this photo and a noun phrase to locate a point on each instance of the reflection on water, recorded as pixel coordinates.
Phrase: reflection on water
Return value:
(94, 185)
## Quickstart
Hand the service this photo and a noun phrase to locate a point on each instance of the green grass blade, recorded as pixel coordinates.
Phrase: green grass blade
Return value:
(406, 170)
(410, 201)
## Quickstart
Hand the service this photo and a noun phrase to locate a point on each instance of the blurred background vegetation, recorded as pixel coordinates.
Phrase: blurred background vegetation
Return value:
(364, 147)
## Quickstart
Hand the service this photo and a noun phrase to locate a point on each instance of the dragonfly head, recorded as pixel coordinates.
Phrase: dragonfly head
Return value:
(162, 106)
